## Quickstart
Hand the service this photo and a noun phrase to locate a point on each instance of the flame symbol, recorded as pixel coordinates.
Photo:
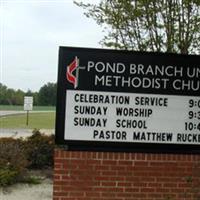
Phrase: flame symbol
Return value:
(70, 69)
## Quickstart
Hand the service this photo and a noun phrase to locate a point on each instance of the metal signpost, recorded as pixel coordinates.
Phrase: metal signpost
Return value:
(128, 101)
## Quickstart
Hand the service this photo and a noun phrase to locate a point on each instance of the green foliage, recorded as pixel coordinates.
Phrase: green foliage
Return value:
(47, 95)
(31, 180)
(39, 150)
(10, 96)
(148, 25)
(13, 161)
(17, 155)
(12, 154)
(7, 176)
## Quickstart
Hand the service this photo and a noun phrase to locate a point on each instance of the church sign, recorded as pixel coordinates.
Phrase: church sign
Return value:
(112, 100)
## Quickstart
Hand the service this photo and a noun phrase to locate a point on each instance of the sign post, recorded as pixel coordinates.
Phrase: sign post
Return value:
(128, 101)
(28, 105)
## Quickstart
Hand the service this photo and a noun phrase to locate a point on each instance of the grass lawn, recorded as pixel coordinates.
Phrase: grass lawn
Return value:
(36, 108)
(36, 120)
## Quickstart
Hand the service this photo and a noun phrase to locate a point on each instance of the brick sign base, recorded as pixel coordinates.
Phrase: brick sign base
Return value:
(125, 176)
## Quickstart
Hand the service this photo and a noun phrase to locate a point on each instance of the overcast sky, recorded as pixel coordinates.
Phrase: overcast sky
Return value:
(32, 31)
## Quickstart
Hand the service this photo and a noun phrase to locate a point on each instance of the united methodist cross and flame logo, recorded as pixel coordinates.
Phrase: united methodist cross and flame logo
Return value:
(72, 73)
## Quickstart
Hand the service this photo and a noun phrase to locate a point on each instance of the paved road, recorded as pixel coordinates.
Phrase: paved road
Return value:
(18, 132)
(10, 112)
(4, 113)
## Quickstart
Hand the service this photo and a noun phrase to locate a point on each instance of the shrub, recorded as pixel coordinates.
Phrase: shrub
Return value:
(31, 180)
(39, 150)
(16, 155)
(8, 176)
(13, 161)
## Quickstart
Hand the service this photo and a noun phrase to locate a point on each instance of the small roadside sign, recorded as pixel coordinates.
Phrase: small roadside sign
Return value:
(28, 103)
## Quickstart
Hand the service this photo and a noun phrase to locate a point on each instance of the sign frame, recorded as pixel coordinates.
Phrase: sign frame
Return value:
(78, 145)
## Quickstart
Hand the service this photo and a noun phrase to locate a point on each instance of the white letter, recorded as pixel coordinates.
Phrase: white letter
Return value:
(90, 65)
(120, 71)
(133, 69)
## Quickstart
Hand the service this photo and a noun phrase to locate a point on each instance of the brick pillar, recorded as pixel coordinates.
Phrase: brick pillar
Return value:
(125, 176)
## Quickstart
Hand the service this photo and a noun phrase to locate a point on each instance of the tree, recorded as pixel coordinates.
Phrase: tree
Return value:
(34, 95)
(47, 95)
(3, 94)
(148, 25)
(19, 97)
(10, 96)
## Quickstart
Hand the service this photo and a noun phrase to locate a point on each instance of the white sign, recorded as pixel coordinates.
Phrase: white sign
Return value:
(132, 117)
(28, 103)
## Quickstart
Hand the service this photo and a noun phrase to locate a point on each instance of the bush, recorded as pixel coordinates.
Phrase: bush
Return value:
(39, 150)
(13, 161)
(8, 176)
(16, 155)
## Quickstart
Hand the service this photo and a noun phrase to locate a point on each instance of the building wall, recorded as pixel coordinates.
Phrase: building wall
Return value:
(125, 176)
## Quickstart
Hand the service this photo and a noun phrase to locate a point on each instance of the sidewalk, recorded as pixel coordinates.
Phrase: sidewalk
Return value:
(41, 191)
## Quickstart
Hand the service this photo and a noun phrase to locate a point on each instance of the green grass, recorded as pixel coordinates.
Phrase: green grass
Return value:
(36, 120)
(36, 108)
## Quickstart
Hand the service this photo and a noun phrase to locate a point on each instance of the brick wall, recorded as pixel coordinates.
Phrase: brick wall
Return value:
(125, 176)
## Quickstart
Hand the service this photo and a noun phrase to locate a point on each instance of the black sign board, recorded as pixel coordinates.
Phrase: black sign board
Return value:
(111, 100)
